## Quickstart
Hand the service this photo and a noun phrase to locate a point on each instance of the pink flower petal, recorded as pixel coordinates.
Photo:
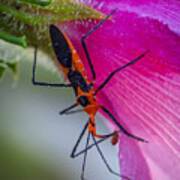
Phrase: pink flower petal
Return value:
(166, 12)
(133, 163)
(145, 98)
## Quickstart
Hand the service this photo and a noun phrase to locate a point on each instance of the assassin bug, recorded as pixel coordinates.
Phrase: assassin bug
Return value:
(71, 64)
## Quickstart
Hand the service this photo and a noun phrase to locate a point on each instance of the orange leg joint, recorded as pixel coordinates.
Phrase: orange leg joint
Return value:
(92, 127)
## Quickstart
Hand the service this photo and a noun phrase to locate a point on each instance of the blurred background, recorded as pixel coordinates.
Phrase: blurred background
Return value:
(35, 141)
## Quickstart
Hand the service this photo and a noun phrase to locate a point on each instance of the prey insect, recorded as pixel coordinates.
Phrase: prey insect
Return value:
(85, 93)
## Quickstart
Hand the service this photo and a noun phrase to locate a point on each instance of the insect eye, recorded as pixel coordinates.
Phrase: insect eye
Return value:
(83, 100)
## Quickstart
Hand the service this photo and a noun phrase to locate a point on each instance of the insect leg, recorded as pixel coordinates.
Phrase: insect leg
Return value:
(43, 83)
(105, 161)
(104, 137)
(92, 145)
(74, 112)
(121, 127)
(67, 109)
(73, 155)
(119, 69)
(85, 157)
(84, 44)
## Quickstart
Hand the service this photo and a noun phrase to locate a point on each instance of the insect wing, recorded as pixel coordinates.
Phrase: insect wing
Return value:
(61, 47)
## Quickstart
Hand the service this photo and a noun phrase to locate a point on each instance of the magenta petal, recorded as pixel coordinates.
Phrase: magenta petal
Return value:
(145, 98)
(166, 12)
(133, 163)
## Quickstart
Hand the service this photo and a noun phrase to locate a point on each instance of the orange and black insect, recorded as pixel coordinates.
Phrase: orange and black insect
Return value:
(71, 64)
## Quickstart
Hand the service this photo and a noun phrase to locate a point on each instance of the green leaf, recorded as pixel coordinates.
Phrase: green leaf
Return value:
(12, 39)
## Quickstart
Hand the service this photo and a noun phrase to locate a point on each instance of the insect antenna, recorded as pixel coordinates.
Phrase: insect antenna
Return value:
(84, 44)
